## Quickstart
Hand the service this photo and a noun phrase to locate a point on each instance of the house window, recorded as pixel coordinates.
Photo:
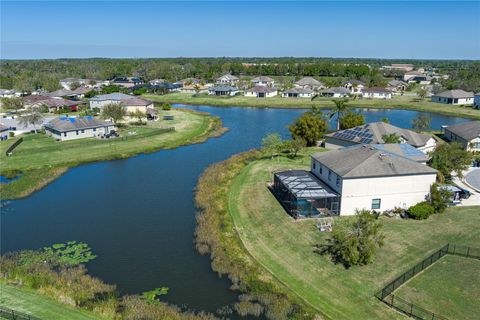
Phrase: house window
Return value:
(329, 175)
(320, 169)
(83, 131)
(314, 165)
(376, 204)
(338, 181)
(77, 132)
(64, 134)
(94, 129)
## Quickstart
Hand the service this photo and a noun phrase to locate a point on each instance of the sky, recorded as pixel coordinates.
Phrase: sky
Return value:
(131, 29)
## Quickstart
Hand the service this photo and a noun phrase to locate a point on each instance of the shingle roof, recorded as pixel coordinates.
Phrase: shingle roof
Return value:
(227, 77)
(366, 161)
(456, 94)
(134, 101)
(262, 89)
(468, 130)
(372, 133)
(64, 124)
(403, 149)
(309, 81)
(354, 82)
(34, 98)
(339, 90)
(117, 96)
(376, 90)
(55, 102)
(395, 83)
(262, 79)
(223, 88)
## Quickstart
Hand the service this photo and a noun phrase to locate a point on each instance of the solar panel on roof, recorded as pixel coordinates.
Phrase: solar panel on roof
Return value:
(72, 120)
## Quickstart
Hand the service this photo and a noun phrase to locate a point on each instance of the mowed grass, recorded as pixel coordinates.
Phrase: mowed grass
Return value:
(285, 247)
(29, 302)
(450, 288)
(397, 102)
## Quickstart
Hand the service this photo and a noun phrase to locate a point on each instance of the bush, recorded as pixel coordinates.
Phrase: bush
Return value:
(439, 198)
(309, 128)
(166, 107)
(421, 210)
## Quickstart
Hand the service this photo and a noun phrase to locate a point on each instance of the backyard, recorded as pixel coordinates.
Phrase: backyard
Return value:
(397, 102)
(450, 287)
(39, 156)
(285, 247)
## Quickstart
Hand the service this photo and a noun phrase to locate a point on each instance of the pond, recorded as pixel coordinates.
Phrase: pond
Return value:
(138, 214)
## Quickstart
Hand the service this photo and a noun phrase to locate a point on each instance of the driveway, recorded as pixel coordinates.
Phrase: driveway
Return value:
(473, 178)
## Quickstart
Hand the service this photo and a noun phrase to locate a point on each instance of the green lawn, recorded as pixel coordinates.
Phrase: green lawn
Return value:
(39, 154)
(450, 287)
(285, 247)
(397, 102)
(29, 302)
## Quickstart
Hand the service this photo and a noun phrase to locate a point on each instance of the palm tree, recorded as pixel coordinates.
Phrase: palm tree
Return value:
(340, 109)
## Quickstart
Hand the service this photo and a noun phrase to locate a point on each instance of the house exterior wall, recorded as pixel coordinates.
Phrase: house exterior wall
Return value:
(454, 101)
(377, 95)
(256, 94)
(393, 191)
(100, 104)
(472, 145)
(79, 134)
(299, 95)
(358, 89)
(327, 176)
(429, 146)
(140, 108)
(264, 83)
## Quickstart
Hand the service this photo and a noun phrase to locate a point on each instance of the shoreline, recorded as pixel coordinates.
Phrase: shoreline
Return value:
(39, 178)
(301, 103)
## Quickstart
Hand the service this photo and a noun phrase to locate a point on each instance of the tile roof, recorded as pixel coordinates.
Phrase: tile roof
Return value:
(309, 81)
(262, 89)
(468, 130)
(64, 124)
(456, 94)
(227, 77)
(117, 96)
(262, 79)
(364, 161)
(372, 133)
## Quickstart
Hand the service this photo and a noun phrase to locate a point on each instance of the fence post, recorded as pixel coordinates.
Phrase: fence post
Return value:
(454, 247)
(411, 309)
(393, 296)
(13, 315)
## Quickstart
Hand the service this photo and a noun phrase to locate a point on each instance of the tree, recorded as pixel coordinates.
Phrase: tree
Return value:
(309, 127)
(450, 157)
(14, 103)
(272, 144)
(422, 93)
(339, 109)
(166, 107)
(196, 87)
(351, 119)
(31, 116)
(114, 111)
(421, 122)
(391, 138)
(139, 115)
(74, 85)
(355, 242)
(294, 146)
(439, 198)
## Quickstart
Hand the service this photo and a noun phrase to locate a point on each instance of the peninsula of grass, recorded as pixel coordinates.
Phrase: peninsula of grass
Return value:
(397, 102)
(450, 287)
(40, 159)
(244, 228)
(29, 302)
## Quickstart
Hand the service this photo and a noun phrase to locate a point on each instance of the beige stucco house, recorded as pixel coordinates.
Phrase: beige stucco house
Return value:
(71, 128)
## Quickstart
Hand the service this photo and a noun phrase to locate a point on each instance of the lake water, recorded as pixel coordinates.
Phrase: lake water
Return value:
(138, 214)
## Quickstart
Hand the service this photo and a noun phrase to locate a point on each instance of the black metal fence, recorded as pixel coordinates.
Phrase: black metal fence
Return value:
(387, 293)
(13, 146)
(6, 313)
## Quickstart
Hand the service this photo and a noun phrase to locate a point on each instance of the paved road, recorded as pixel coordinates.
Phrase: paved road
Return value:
(473, 178)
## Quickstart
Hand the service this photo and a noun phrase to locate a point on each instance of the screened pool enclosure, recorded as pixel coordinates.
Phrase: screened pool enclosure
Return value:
(304, 195)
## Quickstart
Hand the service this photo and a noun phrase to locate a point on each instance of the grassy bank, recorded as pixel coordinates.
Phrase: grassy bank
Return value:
(443, 290)
(284, 247)
(41, 159)
(31, 303)
(397, 102)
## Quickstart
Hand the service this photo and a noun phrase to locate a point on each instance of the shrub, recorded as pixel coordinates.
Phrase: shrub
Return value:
(421, 210)
(439, 198)
(166, 107)
(309, 128)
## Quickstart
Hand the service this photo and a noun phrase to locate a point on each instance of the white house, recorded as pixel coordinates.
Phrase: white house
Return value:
(368, 178)
(354, 86)
(192, 88)
(134, 104)
(374, 133)
(298, 93)
(377, 93)
(261, 92)
(227, 79)
(476, 101)
(454, 97)
(71, 128)
(6, 93)
(223, 90)
(397, 86)
(104, 99)
(336, 92)
(127, 82)
(263, 81)
(309, 83)
(467, 134)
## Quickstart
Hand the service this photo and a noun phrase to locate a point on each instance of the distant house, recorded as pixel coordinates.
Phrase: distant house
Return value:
(336, 92)
(454, 97)
(416, 77)
(189, 81)
(309, 83)
(75, 94)
(130, 103)
(476, 101)
(193, 88)
(223, 90)
(166, 86)
(127, 82)
(354, 86)
(156, 81)
(67, 82)
(467, 134)
(373, 133)
(263, 81)
(227, 79)
(377, 93)
(70, 128)
(397, 86)
(400, 66)
(53, 104)
(261, 92)
(6, 93)
(298, 93)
